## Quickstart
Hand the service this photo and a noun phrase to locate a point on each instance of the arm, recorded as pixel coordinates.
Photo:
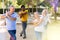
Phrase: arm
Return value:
(25, 12)
(11, 18)
(39, 21)
(22, 13)
(35, 22)
(3, 17)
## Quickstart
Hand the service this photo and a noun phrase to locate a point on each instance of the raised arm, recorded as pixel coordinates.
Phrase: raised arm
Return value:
(3, 17)
(12, 18)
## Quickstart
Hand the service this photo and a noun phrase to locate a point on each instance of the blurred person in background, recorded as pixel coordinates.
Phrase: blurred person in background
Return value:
(23, 13)
(40, 23)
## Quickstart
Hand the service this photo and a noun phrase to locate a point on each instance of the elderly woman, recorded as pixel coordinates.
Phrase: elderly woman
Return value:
(40, 22)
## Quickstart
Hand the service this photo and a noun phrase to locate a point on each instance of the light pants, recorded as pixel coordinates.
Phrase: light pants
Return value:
(38, 35)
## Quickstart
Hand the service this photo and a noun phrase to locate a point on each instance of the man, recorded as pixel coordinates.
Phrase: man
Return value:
(11, 17)
(24, 16)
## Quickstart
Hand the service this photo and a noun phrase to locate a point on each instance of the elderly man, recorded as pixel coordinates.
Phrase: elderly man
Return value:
(11, 17)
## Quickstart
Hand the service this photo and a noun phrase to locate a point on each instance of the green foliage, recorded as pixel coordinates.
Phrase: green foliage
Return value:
(19, 2)
(44, 3)
(6, 3)
(23, 2)
(0, 0)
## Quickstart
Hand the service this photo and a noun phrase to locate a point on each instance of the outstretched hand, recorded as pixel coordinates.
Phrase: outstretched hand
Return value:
(7, 14)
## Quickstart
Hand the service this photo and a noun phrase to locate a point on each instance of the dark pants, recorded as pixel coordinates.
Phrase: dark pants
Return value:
(24, 26)
(12, 34)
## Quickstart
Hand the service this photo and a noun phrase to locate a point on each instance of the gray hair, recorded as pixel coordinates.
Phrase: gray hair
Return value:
(11, 6)
(45, 11)
(36, 13)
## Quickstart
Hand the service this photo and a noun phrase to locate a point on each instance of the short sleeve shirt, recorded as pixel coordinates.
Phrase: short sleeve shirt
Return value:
(24, 17)
(11, 25)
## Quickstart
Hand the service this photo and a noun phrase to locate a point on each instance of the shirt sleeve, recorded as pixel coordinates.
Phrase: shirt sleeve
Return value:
(41, 17)
(19, 13)
(4, 14)
(48, 17)
(16, 15)
(26, 11)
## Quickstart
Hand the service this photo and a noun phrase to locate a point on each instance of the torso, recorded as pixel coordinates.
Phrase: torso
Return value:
(41, 27)
(11, 25)
(24, 17)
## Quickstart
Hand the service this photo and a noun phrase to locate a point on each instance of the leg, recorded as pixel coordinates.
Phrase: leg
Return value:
(24, 25)
(24, 28)
(12, 34)
(38, 35)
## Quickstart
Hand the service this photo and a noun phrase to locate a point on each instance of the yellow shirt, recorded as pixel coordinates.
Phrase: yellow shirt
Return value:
(24, 17)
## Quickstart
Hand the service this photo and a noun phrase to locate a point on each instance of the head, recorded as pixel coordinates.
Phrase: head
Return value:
(44, 12)
(11, 9)
(22, 7)
(36, 15)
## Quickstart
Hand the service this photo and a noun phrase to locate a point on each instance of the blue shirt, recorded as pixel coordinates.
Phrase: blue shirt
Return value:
(11, 25)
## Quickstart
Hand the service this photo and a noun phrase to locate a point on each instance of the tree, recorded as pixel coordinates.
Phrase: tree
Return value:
(54, 4)
(45, 4)
(19, 2)
(7, 3)
(0, 0)
(32, 3)
(24, 2)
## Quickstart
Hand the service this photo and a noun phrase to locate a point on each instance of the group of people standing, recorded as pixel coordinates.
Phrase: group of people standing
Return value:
(39, 22)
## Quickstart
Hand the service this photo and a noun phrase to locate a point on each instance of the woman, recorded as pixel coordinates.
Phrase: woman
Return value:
(40, 22)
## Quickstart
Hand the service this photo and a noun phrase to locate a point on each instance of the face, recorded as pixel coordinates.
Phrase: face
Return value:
(12, 9)
(44, 12)
(36, 15)
(22, 8)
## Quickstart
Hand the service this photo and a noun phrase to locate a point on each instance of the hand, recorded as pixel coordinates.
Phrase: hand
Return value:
(22, 12)
(20, 15)
(7, 14)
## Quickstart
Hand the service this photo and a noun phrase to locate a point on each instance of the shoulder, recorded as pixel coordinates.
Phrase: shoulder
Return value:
(26, 10)
(15, 13)
(41, 16)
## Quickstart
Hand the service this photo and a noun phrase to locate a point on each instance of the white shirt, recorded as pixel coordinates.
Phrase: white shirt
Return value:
(41, 27)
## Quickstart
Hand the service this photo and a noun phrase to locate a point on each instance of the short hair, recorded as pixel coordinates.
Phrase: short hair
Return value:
(22, 6)
(36, 13)
(11, 6)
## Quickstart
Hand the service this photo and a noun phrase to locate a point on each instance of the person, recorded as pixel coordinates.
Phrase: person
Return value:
(11, 17)
(40, 23)
(23, 13)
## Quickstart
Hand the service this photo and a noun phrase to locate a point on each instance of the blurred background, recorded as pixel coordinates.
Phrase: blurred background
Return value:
(53, 28)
